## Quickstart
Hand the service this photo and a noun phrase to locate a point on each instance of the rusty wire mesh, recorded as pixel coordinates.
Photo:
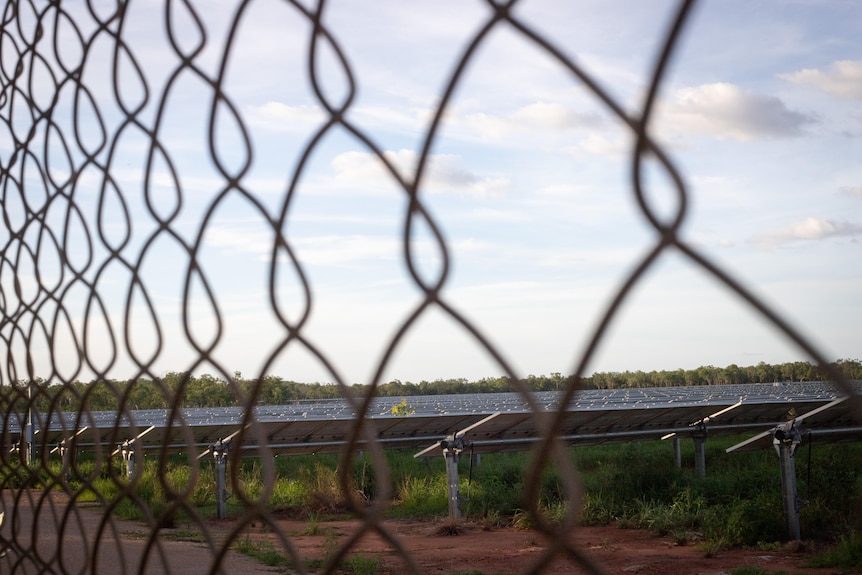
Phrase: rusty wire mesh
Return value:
(58, 248)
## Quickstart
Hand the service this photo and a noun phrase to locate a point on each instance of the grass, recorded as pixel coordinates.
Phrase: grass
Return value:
(264, 552)
(756, 571)
(845, 554)
(361, 565)
(269, 555)
(189, 535)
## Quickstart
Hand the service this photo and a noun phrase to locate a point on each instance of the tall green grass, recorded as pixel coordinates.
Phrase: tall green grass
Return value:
(846, 554)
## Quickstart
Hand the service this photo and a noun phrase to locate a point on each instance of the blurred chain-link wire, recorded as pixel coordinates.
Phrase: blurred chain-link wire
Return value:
(79, 110)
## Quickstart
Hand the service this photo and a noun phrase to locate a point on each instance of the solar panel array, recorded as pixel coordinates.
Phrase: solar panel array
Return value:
(594, 416)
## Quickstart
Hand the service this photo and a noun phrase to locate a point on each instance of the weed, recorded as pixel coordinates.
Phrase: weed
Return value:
(313, 525)
(492, 520)
(421, 496)
(449, 529)
(522, 520)
(846, 554)
(356, 564)
(746, 521)
(679, 537)
(711, 548)
(138, 535)
(330, 544)
(289, 492)
(605, 544)
(755, 571)
(264, 552)
(594, 510)
(556, 511)
(768, 546)
(189, 535)
(326, 495)
(361, 565)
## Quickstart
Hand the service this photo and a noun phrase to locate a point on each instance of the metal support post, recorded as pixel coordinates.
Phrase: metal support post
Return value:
(219, 450)
(785, 439)
(127, 449)
(677, 453)
(65, 454)
(452, 448)
(700, 451)
(29, 426)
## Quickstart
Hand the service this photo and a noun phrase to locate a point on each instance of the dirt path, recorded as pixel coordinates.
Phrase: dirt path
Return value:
(33, 545)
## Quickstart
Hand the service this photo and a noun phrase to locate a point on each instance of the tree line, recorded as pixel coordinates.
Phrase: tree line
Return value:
(210, 391)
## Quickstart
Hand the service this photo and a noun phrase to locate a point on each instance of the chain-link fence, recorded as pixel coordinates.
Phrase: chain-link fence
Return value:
(102, 263)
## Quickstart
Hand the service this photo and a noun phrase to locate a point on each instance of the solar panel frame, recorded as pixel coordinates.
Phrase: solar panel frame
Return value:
(828, 422)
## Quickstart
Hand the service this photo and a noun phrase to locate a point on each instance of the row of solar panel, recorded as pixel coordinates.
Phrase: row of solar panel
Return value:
(595, 417)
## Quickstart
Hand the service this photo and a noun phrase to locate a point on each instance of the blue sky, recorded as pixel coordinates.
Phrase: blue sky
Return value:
(529, 182)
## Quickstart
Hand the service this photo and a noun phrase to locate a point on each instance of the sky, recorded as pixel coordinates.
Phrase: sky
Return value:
(528, 181)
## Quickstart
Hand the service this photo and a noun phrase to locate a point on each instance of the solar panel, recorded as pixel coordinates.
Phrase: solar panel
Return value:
(593, 416)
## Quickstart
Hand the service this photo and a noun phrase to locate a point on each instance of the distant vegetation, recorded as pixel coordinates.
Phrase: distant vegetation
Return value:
(210, 391)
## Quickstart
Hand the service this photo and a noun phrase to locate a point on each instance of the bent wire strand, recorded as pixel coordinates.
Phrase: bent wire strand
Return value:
(53, 225)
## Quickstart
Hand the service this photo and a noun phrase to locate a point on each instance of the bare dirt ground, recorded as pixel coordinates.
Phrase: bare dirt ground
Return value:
(509, 551)
(496, 551)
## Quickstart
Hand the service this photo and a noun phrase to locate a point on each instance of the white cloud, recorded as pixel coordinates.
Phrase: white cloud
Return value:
(279, 117)
(339, 250)
(726, 111)
(241, 239)
(811, 229)
(539, 117)
(554, 115)
(844, 79)
(855, 191)
(409, 120)
(444, 173)
(318, 250)
(704, 180)
(486, 126)
(497, 215)
(600, 145)
(189, 183)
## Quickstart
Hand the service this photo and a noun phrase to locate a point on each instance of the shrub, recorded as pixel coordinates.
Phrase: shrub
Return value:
(846, 554)
(422, 496)
(745, 521)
